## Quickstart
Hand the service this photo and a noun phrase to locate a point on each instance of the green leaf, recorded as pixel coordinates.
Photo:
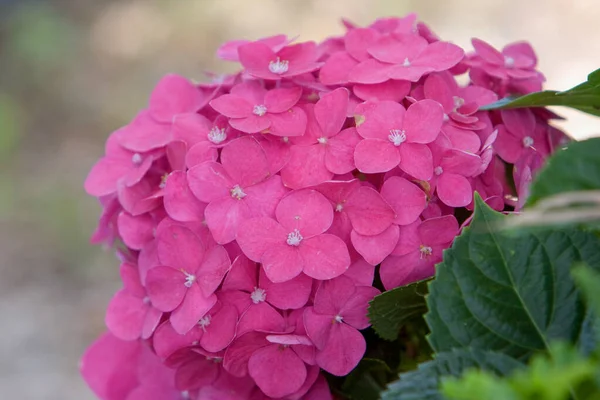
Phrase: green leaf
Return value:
(505, 292)
(584, 97)
(392, 309)
(423, 384)
(576, 168)
(588, 281)
(367, 380)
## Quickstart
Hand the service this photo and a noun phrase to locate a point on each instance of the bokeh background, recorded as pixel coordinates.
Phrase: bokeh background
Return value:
(72, 71)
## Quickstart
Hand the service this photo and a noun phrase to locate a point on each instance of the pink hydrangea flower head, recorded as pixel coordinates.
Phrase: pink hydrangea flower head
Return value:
(519, 135)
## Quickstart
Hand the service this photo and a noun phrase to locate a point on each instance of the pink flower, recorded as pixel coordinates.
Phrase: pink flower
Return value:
(179, 201)
(519, 135)
(339, 311)
(393, 138)
(237, 189)
(130, 313)
(418, 250)
(253, 109)
(262, 61)
(325, 149)
(190, 273)
(229, 50)
(516, 61)
(296, 241)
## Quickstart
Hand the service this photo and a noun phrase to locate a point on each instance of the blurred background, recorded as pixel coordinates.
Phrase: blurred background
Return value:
(72, 71)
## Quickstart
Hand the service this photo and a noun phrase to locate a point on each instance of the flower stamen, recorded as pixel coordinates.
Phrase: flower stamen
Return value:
(294, 238)
(217, 135)
(397, 136)
(279, 66)
(237, 192)
(260, 110)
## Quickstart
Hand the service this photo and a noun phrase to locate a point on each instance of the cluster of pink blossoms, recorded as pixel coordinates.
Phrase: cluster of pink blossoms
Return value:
(252, 211)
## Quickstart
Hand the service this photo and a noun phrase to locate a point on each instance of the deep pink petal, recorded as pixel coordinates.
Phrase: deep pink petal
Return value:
(131, 279)
(358, 41)
(336, 69)
(461, 162)
(319, 391)
(333, 294)
(209, 181)
(135, 231)
(416, 160)
(423, 121)
(191, 128)
(260, 317)
(376, 155)
(232, 106)
(292, 294)
(125, 315)
(508, 147)
(339, 154)
(262, 198)
(144, 133)
(406, 198)
(179, 201)
(242, 275)
(194, 306)
(306, 167)
(277, 370)
(344, 349)
(436, 88)
(390, 90)
(103, 177)
(255, 57)
(438, 230)
(281, 100)
(440, 56)
(282, 262)
(180, 248)
(487, 52)
(368, 211)
(256, 235)
(167, 341)
(520, 122)
(411, 74)
(377, 247)
(361, 272)
(236, 357)
(223, 217)
(462, 139)
(396, 271)
(221, 330)
(201, 152)
(318, 326)
(251, 124)
(289, 123)
(409, 239)
(325, 256)
(213, 269)
(153, 318)
(330, 111)
(369, 72)
(278, 151)
(196, 373)
(174, 95)
(306, 210)
(166, 287)
(354, 312)
(397, 48)
(245, 161)
(379, 119)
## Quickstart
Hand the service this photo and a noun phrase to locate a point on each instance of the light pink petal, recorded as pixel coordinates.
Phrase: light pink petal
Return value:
(180, 248)
(194, 306)
(380, 119)
(368, 211)
(221, 330)
(406, 198)
(292, 294)
(306, 167)
(166, 287)
(281, 100)
(318, 327)
(242, 275)
(213, 269)
(376, 248)
(376, 155)
(174, 95)
(179, 201)
(306, 210)
(223, 217)
(369, 72)
(361, 272)
(354, 311)
(440, 56)
(125, 315)
(336, 69)
(289, 123)
(251, 124)
(262, 198)
(390, 90)
(289, 340)
(103, 177)
(256, 235)
(325, 256)
(209, 181)
(423, 121)
(416, 160)
(330, 111)
(487, 52)
(201, 152)
(260, 317)
(277, 371)
(345, 348)
(339, 154)
(167, 341)
(135, 231)
(282, 262)
(438, 230)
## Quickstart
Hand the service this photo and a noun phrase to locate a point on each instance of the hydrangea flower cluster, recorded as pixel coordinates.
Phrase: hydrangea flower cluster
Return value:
(252, 212)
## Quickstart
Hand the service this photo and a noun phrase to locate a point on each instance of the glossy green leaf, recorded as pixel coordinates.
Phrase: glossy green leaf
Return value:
(392, 309)
(505, 292)
(367, 380)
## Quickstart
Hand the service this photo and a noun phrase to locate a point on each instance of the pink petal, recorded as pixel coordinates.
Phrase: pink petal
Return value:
(409, 239)
(242, 275)
(339, 154)
(520, 122)
(213, 269)
(144, 133)
(277, 151)
(221, 330)
(397, 271)
(262, 198)
(236, 357)
(103, 177)
(411, 74)
(232, 106)
(125, 315)
(358, 41)
(292, 294)
(406, 198)
(166, 287)
(174, 95)
(289, 340)
(361, 272)
(251, 124)
(256, 235)
(302, 57)
(354, 311)
(416, 160)
(318, 327)
(487, 52)
(330, 111)
(423, 121)
(201, 152)
(191, 128)
(369, 72)
(153, 318)
(325, 256)
(376, 248)
(336, 69)
(209, 181)
(167, 341)
(131, 279)
(319, 391)
(344, 349)
(277, 371)
(390, 90)
(282, 262)
(332, 295)
(395, 49)
(368, 211)
(508, 147)
(306, 167)
(380, 119)
(306, 210)
(461, 162)
(196, 373)
(440, 56)
(260, 317)
(289, 123)
(245, 161)
(180, 248)
(376, 155)
(281, 100)
(135, 231)
(179, 201)
(223, 217)
(194, 306)
(438, 230)
(463, 139)
(436, 88)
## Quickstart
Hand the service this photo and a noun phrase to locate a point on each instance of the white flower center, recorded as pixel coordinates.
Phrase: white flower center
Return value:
(189, 279)
(527, 141)
(146, 300)
(258, 295)
(425, 251)
(260, 110)
(285, 139)
(338, 319)
(204, 322)
(446, 117)
(509, 62)
(136, 159)
(438, 171)
(294, 238)
(458, 102)
(217, 135)
(237, 192)
(279, 66)
(397, 136)
(339, 207)
(322, 140)
(406, 63)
